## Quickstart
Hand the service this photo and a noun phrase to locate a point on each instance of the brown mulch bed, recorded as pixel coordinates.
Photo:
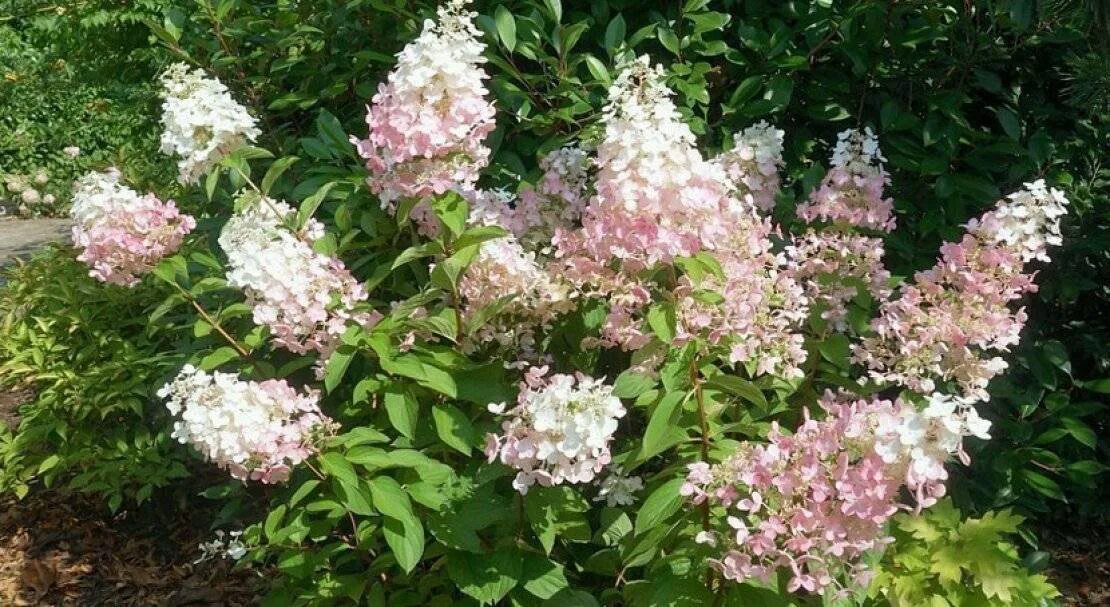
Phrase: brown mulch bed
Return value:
(9, 406)
(68, 550)
(1080, 565)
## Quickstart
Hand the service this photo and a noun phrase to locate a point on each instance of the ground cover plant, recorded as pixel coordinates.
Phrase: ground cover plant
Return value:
(500, 321)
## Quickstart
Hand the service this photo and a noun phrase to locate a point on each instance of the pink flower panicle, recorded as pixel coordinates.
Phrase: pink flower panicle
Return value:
(943, 324)
(256, 430)
(834, 267)
(560, 430)
(852, 192)
(306, 299)
(121, 234)
(752, 165)
(428, 120)
(813, 503)
(659, 202)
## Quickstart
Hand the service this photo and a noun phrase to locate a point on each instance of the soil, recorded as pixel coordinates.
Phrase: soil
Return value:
(60, 550)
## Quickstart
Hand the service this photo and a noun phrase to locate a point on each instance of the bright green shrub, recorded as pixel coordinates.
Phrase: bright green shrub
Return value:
(90, 358)
(941, 559)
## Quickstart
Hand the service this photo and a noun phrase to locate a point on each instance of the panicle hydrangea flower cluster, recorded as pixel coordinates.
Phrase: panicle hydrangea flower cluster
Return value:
(428, 120)
(121, 234)
(306, 299)
(231, 548)
(503, 268)
(201, 122)
(833, 267)
(618, 489)
(256, 430)
(755, 307)
(559, 431)
(811, 504)
(942, 324)
(852, 192)
(657, 198)
(752, 165)
(657, 201)
(554, 204)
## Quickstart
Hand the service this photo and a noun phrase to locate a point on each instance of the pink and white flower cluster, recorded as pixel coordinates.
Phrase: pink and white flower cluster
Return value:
(306, 298)
(812, 503)
(504, 269)
(554, 204)
(560, 430)
(201, 122)
(123, 234)
(834, 267)
(852, 192)
(256, 430)
(752, 165)
(658, 201)
(428, 120)
(941, 326)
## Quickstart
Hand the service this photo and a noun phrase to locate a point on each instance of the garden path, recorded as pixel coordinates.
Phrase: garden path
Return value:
(21, 237)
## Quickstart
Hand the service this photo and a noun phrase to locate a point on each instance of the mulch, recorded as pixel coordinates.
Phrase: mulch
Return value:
(68, 550)
(1080, 565)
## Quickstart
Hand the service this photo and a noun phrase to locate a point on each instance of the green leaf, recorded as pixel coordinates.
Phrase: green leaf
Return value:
(218, 357)
(630, 384)
(406, 540)
(1079, 431)
(835, 349)
(452, 210)
(336, 366)
(662, 320)
(276, 170)
(555, 7)
(1009, 121)
(506, 27)
(658, 434)
(486, 578)
(402, 409)
(597, 69)
(476, 236)
(659, 506)
(453, 427)
(739, 387)
(543, 577)
(668, 39)
(309, 205)
(555, 512)
(614, 34)
(335, 464)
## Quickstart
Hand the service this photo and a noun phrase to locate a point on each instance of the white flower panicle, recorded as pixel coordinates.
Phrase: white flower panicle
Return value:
(617, 489)
(231, 548)
(255, 430)
(503, 268)
(560, 430)
(752, 165)
(1027, 221)
(306, 299)
(201, 123)
(923, 440)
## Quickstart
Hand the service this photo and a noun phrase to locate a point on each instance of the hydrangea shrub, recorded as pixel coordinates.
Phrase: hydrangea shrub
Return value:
(708, 405)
